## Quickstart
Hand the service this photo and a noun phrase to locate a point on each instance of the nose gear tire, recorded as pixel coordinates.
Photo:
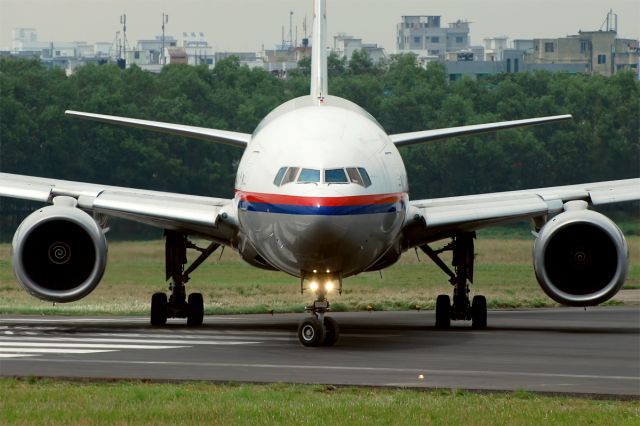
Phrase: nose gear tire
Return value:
(311, 332)
(331, 331)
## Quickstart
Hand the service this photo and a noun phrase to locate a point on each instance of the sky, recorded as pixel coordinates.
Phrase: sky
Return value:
(247, 25)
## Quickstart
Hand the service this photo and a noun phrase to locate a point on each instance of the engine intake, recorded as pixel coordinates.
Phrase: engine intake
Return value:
(59, 252)
(580, 258)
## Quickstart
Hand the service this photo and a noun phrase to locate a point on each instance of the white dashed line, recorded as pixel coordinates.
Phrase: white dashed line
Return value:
(53, 350)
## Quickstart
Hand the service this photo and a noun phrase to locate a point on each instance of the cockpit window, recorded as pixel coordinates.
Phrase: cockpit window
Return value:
(290, 176)
(309, 176)
(365, 177)
(279, 176)
(335, 176)
(354, 176)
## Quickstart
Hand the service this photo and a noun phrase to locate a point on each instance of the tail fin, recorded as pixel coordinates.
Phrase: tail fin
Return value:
(319, 86)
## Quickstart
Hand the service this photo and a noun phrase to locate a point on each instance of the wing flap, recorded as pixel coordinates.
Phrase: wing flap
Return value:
(24, 190)
(621, 194)
(236, 139)
(152, 209)
(486, 211)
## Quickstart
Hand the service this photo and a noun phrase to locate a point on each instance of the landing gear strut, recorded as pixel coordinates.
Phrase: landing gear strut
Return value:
(462, 275)
(178, 305)
(319, 329)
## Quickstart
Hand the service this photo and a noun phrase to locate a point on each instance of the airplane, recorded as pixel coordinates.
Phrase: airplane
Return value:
(321, 193)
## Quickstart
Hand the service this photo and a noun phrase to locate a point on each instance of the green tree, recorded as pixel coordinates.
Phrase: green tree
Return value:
(602, 142)
(361, 63)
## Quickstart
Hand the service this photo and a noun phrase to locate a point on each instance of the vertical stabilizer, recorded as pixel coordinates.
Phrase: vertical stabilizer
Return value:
(319, 51)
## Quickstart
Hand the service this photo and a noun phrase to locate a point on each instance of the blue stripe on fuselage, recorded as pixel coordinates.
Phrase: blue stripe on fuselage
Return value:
(320, 210)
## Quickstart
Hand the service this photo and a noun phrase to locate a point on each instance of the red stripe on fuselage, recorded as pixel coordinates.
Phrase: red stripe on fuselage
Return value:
(296, 200)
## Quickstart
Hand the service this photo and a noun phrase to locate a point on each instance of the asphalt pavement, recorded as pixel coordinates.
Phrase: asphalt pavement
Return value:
(568, 350)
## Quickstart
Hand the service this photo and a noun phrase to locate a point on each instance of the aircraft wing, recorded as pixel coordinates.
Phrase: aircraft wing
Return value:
(412, 138)
(236, 139)
(430, 220)
(213, 218)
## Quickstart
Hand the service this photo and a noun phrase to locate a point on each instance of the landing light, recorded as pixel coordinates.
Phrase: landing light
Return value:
(329, 286)
(313, 285)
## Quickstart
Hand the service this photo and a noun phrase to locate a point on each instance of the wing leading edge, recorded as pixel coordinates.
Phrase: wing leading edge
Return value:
(239, 140)
(431, 219)
(412, 138)
(187, 213)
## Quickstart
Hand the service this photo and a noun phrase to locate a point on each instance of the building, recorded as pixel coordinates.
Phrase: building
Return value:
(597, 52)
(250, 59)
(197, 49)
(522, 44)
(26, 40)
(25, 43)
(590, 52)
(508, 61)
(423, 35)
(494, 48)
(344, 45)
(56, 54)
(285, 57)
(176, 55)
(151, 54)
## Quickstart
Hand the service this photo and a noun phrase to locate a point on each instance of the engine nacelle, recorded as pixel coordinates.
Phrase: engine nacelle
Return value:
(580, 257)
(59, 252)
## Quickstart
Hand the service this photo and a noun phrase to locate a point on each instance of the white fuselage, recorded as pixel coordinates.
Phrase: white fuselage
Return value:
(315, 221)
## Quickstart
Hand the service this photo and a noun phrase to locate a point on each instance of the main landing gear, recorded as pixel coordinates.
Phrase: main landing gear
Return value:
(462, 275)
(178, 305)
(319, 329)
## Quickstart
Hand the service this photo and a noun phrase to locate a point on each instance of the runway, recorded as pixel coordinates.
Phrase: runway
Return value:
(566, 350)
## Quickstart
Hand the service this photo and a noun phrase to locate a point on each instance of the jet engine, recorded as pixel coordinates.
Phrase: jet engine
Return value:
(59, 252)
(580, 257)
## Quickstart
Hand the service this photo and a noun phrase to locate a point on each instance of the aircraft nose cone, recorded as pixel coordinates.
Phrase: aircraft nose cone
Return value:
(325, 233)
(322, 228)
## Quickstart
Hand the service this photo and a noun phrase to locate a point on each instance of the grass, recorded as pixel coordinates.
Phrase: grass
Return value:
(54, 402)
(504, 273)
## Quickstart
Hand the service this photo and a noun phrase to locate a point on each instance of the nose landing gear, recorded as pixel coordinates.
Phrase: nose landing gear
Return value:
(319, 329)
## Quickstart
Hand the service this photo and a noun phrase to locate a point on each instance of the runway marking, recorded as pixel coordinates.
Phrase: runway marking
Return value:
(58, 341)
(272, 336)
(183, 343)
(426, 372)
(54, 350)
(14, 355)
(10, 320)
(72, 320)
(82, 345)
